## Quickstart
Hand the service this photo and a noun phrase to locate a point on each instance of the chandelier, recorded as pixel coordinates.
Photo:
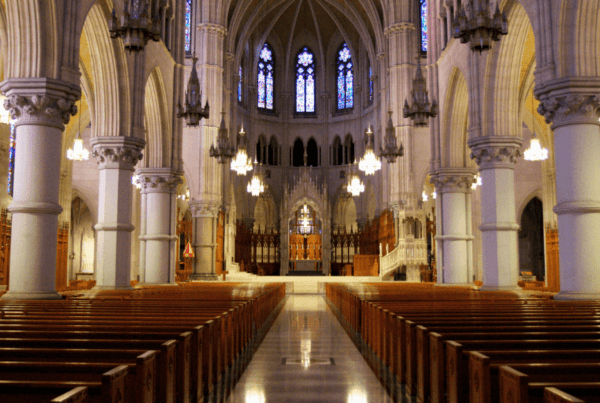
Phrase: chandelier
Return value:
(481, 29)
(391, 149)
(241, 163)
(184, 197)
(78, 152)
(369, 163)
(355, 185)
(222, 152)
(137, 25)
(255, 186)
(424, 196)
(192, 111)
(535, 152)
(421, 109)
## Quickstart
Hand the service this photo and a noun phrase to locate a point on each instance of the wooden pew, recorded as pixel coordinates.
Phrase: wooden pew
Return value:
(76, 395)
(526, 382)
(109, 388)
(553, 395)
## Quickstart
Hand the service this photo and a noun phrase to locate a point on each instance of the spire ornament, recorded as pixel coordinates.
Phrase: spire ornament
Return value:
(391, 149)
(222, 151)
(421, 109)
(192, 111)
(479, 27)
(138, 24)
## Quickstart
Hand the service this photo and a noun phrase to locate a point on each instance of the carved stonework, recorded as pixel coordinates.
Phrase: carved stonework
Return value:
(453, 181)
(212, 29)
(570, 109)
(204, 209)
(496, 152)
(117, 152)
(57, 110)
(157, 182)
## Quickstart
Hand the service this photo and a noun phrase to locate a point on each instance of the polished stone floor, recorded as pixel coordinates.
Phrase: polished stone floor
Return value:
(307, 357)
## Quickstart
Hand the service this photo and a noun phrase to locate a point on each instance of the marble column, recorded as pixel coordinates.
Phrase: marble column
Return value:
(116, 158)
(159, 191)
(453, 187)
(41, 108)
(205, 217)
(496, 157)
(574, 113)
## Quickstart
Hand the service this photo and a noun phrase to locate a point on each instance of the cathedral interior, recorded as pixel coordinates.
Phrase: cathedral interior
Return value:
(273, 148)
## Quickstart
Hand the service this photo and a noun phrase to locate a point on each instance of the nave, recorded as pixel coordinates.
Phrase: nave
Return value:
(307, 357)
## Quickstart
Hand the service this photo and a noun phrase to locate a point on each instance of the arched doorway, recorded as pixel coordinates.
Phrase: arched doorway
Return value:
(531, 240)
(82, 242)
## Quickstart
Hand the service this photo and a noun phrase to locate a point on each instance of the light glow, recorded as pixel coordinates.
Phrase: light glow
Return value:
(355, 187)
(478, 182)
(255, 186)
(78, 152)
(425, 197)
(535, 152)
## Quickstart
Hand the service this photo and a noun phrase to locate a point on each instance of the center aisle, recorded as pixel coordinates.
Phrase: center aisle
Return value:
(307, 357)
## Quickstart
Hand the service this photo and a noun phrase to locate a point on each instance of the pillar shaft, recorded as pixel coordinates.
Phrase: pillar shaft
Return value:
(41, 108)
(116, 158)
(453, 187)
(576, 147)
(496, 157)
(159, 187)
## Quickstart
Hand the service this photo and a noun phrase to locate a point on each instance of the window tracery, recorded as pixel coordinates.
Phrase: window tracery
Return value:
(345, 78)
(305, 81)
(266, 77)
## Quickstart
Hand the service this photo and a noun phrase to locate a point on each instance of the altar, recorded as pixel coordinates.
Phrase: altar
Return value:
(305, 265)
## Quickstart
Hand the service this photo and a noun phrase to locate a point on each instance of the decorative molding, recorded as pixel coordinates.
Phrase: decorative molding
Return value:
(454, 180)
(158, 180)
(204, 209)
(117, 152)
(210, 28)
(495, 152)
(40, 101)
(399, 28)
(570, 109)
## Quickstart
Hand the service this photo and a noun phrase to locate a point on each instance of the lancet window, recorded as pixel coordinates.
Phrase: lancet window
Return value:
(305, 81)
(266, 77)
(345, 78)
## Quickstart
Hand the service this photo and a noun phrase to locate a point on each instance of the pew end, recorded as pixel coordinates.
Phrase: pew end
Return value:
(554, 395)
(77, 395)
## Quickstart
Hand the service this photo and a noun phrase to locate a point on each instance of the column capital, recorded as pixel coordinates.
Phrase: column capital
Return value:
(454, 180)
(204, 209)
(495, 152)
(211, 28)
(158, 180)
(399, 28)
(571, 100)
(115, 152)
(40, 101)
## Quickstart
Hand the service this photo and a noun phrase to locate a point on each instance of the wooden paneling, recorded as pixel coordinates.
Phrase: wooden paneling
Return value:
(5, 228)
(220, 243)
(552, 261)
(62, 256)
(366, 265)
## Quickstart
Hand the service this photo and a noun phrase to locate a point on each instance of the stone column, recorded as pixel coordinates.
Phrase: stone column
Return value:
(41, 108)
(116, 158)
(453, 187)
(496, 157)
(205, 216)
(159, 188)
(574, 112)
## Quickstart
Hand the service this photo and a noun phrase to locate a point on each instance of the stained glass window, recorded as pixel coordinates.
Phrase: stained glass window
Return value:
(424, 25)
(305, 81)
(240, 84)
(266, 77)
(11, 159)
(188, 26)
(345, 78)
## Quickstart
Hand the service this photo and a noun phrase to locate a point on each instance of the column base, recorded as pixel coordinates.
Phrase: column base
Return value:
(47, 295)
(112, 288)
(203, 277)
(573, 295)
(506, 288)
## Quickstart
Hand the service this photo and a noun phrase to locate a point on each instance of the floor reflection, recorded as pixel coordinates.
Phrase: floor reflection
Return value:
(308, 357)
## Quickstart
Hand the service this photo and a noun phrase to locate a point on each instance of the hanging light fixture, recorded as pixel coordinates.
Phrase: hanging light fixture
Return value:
(139, 23)
(480, 29)
(355, 185)
(369, 163)
(78, 152)
(241, 163)
(535, 152)
(193, 111)
(136, 180)
(184, 197)
(421, 109)
(391, 149)
(434, 195)
(256, 185)
(222, 152)
(424, 196)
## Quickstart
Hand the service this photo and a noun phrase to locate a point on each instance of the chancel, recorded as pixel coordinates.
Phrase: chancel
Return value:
(227, 198)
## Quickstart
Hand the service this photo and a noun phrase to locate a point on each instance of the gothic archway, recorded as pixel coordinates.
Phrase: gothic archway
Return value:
(531, 240)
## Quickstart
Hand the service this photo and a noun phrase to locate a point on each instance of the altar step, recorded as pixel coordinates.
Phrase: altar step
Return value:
(305, 273)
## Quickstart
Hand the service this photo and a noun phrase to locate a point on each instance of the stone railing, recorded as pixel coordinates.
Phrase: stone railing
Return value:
(409, 252)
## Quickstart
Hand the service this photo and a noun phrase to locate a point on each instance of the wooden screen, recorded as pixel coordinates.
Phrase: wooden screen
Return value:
(552, 261)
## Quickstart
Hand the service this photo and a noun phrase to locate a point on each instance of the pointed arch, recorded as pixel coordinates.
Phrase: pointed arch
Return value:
(158, 149)
(266, 78)
(454, 124)
(345, 78)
